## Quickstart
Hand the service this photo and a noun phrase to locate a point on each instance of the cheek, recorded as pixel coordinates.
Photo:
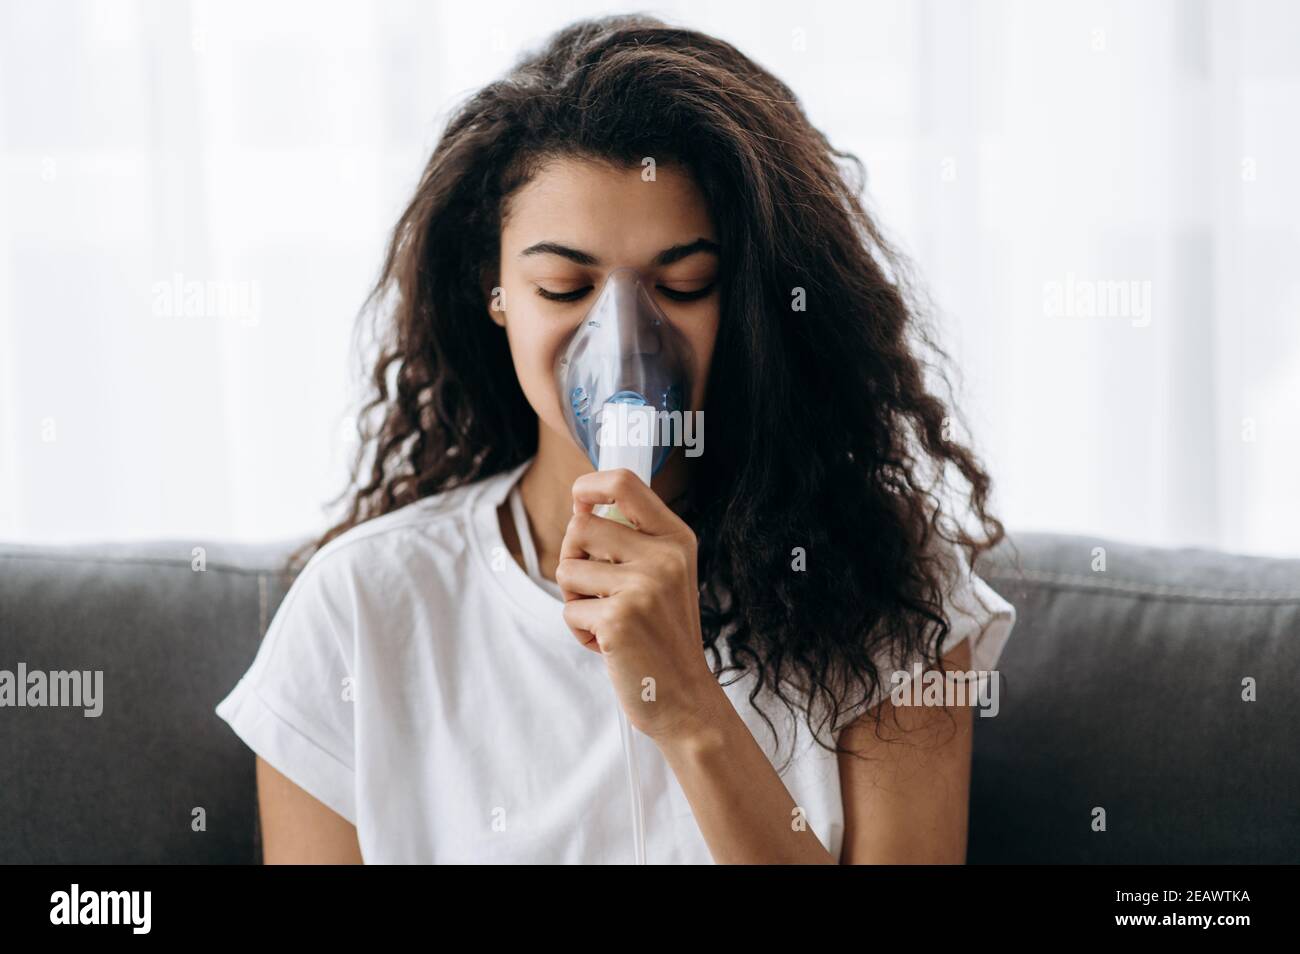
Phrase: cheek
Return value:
(535, 342)
(702, 338)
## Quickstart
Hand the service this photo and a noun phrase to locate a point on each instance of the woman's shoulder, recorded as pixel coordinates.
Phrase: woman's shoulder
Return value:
(437, 528)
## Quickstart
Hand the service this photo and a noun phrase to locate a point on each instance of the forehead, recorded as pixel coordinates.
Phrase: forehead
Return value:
(610, 211)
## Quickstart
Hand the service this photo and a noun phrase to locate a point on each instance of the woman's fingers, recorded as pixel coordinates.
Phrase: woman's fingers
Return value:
(580, 578)
(634, 499)
(584, 618)
(590, 536)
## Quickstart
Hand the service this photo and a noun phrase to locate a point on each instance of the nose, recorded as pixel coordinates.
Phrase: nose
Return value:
(622, 295)
(625, 352)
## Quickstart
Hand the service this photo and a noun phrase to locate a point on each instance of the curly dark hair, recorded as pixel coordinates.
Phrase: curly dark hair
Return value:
(832, 440)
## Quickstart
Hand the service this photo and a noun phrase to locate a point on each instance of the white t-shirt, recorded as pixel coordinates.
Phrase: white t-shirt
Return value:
(423, 685)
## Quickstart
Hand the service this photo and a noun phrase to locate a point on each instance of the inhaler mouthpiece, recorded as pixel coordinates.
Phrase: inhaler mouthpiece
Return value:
(623, 370)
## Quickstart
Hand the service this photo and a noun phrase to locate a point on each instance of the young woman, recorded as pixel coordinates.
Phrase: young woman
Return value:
(444, 679)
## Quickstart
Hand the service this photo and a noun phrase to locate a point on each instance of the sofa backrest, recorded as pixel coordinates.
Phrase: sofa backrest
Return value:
(130, 784)
(1121, 690)
(1127, 689)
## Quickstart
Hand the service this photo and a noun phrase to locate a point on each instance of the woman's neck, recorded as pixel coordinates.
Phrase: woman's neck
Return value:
(547, 492)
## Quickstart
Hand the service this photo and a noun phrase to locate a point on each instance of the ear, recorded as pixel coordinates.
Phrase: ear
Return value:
(495, 296)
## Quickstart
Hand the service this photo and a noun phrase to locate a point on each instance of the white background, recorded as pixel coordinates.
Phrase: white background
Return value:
(269, 146)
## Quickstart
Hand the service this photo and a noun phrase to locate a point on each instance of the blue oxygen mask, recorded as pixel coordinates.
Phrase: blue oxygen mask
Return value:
(623, 378)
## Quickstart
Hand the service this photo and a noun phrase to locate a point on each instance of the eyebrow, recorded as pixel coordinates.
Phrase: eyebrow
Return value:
(669, 255)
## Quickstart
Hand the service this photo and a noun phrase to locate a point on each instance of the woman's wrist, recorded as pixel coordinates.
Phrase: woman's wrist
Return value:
(740, 803)
(705, 730)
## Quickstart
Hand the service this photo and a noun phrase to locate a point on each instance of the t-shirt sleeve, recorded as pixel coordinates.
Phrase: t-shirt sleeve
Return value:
(293, 706)
(974, 611)
(977, 612)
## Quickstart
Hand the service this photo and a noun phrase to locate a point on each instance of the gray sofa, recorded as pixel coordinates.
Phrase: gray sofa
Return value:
(1121, 690)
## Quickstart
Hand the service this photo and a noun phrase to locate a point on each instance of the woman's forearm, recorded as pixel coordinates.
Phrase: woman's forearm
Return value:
(743, 809)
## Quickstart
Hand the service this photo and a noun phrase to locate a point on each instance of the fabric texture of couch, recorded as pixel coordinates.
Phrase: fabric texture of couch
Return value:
(1120, 690)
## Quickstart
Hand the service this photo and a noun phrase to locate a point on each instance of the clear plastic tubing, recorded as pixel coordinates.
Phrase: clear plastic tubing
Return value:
(627, 416)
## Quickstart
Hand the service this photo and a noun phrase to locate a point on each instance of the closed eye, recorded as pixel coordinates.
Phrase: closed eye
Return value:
(563, 296)
(687, 295)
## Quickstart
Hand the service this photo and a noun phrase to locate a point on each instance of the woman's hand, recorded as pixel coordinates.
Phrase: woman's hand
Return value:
(641, 609)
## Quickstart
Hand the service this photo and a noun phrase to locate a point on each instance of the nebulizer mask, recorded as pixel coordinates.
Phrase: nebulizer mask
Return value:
(620, 376)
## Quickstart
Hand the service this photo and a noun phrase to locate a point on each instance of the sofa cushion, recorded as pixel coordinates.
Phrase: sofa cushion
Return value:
(1120, 690)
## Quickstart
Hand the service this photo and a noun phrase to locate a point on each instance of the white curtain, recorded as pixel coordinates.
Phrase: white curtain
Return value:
(1101, 198)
